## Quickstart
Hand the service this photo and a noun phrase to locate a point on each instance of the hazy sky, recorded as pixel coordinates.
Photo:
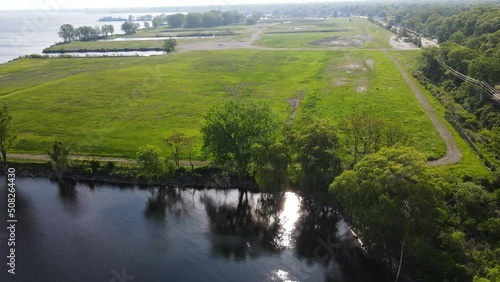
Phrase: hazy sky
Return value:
(71, 4)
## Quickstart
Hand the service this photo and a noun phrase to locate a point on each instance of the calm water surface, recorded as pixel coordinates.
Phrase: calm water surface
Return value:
(81, 232)
(26, 33)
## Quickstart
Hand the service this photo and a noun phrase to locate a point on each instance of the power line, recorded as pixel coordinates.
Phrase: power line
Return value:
(492, 92)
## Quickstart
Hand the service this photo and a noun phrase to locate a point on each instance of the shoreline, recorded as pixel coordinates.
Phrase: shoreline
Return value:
(205, 177)
(102, 50)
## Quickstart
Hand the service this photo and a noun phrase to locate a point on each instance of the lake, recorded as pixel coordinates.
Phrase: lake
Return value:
(83, 232)
(26, 33)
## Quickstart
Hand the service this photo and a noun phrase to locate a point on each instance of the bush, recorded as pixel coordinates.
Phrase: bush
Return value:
(94, 165)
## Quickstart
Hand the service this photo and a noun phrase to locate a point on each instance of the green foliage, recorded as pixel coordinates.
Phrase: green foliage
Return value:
(7, 135)
(234, 131)
(393, 200)
(193, 20)
(157, 21)
(86, 33)
(107, 29)
(59, 155)
(66, 32)
(470, 45)
(169, 45)
(176, 20)
(150, 165)
(212, 19)
(366, 134)
(95, 165)
(272, 168)
(129, 27)
(316, 145)
(177, 143)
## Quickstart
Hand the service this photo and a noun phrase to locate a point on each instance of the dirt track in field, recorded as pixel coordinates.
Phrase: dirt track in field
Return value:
(453, 153)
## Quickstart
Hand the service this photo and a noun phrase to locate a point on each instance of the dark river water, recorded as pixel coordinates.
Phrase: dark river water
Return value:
(81, 232)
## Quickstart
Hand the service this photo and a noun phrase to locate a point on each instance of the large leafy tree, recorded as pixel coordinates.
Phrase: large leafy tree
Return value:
(234, 131)
(169, 45)
(272, 168)
(317, 146)
(393, 200)
(7, 135)
(194, 20)
(66, 32)
(176, 20)
(129, 27)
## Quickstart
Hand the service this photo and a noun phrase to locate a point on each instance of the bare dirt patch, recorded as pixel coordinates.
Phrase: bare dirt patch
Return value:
(339, 81)
(370, 64)
(361, 89)
(294, 105)
(342, 41)
(353, 66)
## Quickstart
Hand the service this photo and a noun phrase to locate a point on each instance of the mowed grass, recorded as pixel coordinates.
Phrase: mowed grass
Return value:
(301, 33)
(112, 106)
(470, 164)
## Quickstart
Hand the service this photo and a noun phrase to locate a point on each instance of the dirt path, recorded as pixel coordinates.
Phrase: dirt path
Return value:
(89, 158)
(225, 43)
(453, 153)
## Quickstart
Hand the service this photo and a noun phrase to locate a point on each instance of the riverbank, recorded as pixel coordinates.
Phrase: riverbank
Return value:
(105, 46)
(202, 177)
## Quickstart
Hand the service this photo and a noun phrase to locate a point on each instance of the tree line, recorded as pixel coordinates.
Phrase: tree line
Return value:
(212, 18)
(84, 33)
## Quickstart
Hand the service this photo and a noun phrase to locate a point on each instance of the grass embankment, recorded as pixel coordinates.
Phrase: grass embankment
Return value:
(203, 34)
(470, 164)
(106, 46)
(300, 34)
(112, 106)
(163, 31)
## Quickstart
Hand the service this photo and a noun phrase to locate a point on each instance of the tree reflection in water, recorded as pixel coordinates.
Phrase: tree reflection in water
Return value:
(163, 200)
(322, 237)
(243, 229)
(67, 190)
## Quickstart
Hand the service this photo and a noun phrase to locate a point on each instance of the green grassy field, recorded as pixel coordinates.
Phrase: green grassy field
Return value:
(297, 34)
(112, 106)
(163, 31)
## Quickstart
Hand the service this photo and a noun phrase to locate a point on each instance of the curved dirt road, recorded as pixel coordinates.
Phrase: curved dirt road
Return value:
(453, 153)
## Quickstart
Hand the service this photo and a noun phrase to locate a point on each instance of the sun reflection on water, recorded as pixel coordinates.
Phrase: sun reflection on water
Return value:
(281, 276)
(288, 218)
